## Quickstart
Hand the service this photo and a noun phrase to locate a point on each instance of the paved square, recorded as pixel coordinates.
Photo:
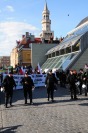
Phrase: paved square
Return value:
(62, 116)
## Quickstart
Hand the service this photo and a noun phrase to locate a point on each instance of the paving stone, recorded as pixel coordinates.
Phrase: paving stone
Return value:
(62, 116)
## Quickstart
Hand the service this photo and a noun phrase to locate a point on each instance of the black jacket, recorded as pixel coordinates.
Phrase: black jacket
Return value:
(72, 79)
(27, 82)
(50, 80)
(8, 83)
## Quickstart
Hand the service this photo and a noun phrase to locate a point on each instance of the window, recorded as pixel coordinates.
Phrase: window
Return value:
(53, 54)
(44, 16)
(57, 53)
(68, 49)
(62, 51)
(76, 47)
(49, 56)
(47, 17)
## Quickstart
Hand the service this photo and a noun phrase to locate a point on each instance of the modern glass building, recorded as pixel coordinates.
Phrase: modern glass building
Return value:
(71, 52)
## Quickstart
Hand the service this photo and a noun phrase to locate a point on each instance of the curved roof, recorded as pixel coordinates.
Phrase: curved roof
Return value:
(83, 21)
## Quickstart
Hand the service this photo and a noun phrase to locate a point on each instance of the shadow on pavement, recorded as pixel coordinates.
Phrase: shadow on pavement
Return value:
(86, 98)
(39, 104)
(9, 129)
(83, 104)
(39, 92)
(46, 103)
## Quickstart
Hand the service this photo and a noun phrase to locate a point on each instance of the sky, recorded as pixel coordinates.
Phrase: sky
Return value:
(20, 16)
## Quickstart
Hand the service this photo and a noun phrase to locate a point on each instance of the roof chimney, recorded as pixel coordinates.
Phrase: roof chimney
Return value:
(27, 34)
(23, 36)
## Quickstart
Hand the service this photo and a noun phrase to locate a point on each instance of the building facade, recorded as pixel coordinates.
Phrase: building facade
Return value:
(24, 56)
(38, 53)
(14, 57)
(4, 61)
(24, 49)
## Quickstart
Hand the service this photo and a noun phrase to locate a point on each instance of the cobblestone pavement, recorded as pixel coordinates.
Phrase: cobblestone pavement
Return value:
(62, 116)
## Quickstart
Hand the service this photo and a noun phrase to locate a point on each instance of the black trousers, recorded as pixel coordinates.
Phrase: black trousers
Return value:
(50, 92)
(80, 88)
(8, 97)
(28, 91)
(73, 91)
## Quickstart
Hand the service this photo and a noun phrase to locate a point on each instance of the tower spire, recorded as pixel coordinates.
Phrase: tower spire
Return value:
(45, 7)
(46, 33)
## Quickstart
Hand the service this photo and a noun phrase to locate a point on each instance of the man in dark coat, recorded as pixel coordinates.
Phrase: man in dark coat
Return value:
(80, 79)
(49, 82)
(28, 84)
(72, 80)
(1, 77)
(8, 84)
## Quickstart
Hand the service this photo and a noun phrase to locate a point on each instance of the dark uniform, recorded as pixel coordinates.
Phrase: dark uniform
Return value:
(1, 77)
(72, 81)
(84, 81)
(8, 84)
(50, 80)
(28, 84)
(80, 79)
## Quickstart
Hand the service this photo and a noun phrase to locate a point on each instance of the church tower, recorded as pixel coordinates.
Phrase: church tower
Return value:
(46, 33)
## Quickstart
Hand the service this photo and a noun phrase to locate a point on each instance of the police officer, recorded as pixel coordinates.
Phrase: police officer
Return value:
(84, 81)
(49, 82)
(28, 84)
(80, 79)
(8, 84)
(72, 80)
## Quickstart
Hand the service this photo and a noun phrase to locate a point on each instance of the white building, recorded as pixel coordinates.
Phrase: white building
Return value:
(46, 33)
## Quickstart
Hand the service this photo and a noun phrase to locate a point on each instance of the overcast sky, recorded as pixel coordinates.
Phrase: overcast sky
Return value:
(20, 16)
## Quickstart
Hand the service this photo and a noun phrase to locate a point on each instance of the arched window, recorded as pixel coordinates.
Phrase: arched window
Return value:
(44, 16)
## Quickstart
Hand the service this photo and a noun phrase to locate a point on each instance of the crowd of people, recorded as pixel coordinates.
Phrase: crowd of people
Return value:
(20, 70)
(77, 83)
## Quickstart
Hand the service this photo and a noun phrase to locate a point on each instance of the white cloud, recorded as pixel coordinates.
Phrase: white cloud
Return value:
(10, 8)
(12, 31)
